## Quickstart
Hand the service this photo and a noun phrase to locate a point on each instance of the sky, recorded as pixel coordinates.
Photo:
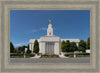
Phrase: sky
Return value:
(32, 24)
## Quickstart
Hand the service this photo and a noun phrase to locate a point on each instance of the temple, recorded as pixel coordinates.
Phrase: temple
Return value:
(50, 44)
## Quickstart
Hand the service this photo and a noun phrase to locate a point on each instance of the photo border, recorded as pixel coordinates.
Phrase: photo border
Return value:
(92, 5)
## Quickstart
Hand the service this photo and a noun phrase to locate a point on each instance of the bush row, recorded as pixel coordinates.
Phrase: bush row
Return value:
(78, 54)
(30, 55)
(48, 55)
(19, 54)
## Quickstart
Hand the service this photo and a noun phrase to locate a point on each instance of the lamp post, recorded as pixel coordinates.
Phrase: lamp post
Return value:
(25, 53)
(74, 54)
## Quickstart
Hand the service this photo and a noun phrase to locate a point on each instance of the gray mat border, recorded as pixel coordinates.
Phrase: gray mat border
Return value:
(36, 70)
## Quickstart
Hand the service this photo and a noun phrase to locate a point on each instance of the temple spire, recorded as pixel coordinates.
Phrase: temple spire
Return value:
(49, 21)
(50, 29)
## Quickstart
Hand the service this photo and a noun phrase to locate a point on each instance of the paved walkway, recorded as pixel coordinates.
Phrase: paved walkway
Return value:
(50, 60)
(38, 56)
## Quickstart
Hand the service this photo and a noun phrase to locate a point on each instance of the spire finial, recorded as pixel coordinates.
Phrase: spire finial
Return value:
(49, 21)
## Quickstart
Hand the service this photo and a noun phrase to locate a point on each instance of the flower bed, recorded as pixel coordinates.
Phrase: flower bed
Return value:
(49, 56)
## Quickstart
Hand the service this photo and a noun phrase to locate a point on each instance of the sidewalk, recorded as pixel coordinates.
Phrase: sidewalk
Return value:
(36, 56)
(62, 56)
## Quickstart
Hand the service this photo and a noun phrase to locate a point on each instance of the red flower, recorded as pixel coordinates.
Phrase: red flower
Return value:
(49, 55)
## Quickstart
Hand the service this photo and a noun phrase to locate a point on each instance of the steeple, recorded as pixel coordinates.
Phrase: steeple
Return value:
(50, 29)
(49, 21)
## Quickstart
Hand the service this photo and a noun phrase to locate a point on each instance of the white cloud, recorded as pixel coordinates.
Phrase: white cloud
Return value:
(20, 44)
(37, 30)
(43, 28)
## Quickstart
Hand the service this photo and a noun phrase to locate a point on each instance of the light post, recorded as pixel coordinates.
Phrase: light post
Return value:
(25, 53)
(74, 54)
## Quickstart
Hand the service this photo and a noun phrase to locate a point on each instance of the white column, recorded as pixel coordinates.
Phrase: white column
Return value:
(56, 48)
(30, 46)
(42, 47)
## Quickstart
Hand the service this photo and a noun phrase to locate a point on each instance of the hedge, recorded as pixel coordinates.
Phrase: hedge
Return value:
(30, 55)
(78, 54)
(20, 55)
(16, 54)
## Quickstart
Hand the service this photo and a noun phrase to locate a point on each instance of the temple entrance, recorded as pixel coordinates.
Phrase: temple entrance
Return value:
(49, 48)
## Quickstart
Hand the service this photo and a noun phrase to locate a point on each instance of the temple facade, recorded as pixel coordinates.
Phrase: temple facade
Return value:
(50, 44)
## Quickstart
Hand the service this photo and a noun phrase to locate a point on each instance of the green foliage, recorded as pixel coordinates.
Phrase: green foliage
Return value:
(19, 55)
(28, 50)
(63, 46)
(11, 48)
(88, 43)
(77, 54)
(30, 55)
(69, 55)
(73, 47)
(15, 51)
(68, 46)
(82, 53)
(16, 54)
(21, 49)
(45, 54)
(82, 46)
(49, 56)
(54, 55)
(36, 47)
(81, 49)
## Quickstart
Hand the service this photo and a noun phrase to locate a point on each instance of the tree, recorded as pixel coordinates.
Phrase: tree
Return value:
(63, 46)
(88, 43)
(11, 48)
(28, 50)
(82, 46)
(21, 49)
(68, 46)
(73, 47)
(15, 51)
(36, 47)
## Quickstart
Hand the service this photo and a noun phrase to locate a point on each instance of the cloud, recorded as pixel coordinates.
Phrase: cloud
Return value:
(43, 28)
(37, 30)
(20, 44)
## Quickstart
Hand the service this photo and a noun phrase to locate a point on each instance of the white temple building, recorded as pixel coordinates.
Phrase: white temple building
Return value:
(50, 44)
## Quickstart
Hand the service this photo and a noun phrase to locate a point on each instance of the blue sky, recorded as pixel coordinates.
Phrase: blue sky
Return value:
(32, 24)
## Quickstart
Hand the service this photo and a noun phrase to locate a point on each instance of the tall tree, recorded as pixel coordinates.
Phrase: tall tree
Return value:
(36, 47)
(11, 48)
(88, 43)
(28, 50)
(63, 46)
(68, 46)
(73, 47)
(82, 46)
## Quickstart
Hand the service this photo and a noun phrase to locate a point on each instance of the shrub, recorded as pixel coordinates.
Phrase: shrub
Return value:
(82, 54)
(16, 54)
(77, 54)
(69, 55)
(54, 55)
(30, 55)
(45, 54)
(49, 56)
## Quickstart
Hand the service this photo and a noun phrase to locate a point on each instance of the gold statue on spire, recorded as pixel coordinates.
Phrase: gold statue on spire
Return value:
(49, 21)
